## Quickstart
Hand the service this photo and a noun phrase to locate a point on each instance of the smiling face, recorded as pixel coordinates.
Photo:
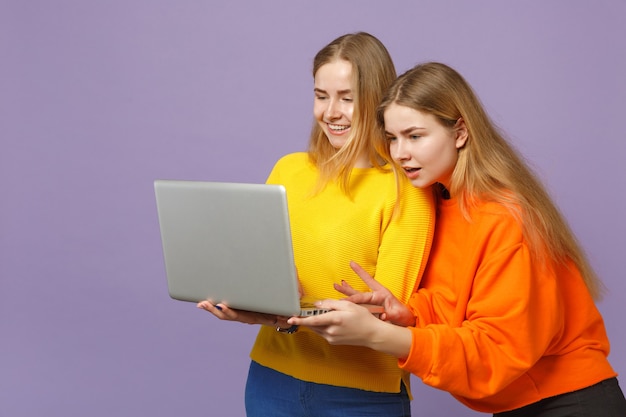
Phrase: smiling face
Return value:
(425, 149)
(334, 101)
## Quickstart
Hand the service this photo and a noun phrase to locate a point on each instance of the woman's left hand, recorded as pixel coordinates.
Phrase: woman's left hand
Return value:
(346, 324)
(351, 324)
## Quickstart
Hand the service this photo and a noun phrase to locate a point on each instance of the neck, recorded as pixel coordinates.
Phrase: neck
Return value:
(444, 192)
(363, 162)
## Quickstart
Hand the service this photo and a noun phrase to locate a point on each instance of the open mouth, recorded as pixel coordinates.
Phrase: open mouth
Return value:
(337, 128)
(411, 172)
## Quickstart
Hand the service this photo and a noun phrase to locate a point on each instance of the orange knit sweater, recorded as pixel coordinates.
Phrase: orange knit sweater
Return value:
(496, 329)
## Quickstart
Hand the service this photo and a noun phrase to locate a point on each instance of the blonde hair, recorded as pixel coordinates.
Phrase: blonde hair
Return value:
(372, 73)
(488, 167)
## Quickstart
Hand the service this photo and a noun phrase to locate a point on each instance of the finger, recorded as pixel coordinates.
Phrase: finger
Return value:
(314, 321)
(325, 319)
(281, 322)
(345, 288)
(270, 319)
(246, 316)
(226, 313)
(208, 306)
(367, 278)
(362, 298)
(362, 273)
(330, 304)
(310, 321)
(213, 309)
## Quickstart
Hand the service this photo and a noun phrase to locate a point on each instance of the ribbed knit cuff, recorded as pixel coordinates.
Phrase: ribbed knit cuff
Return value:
(419, 361)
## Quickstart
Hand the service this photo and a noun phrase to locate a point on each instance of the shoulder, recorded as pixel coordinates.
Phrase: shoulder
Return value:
(481, 219)
(292, 162)
(295, 158)
(405, 187)
(377, 184)
(292, 167)
(496, 220)
(490, 209)
(485, 230)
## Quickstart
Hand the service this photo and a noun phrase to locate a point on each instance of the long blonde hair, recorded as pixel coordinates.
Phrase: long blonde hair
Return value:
(372, 73)
(488, 167)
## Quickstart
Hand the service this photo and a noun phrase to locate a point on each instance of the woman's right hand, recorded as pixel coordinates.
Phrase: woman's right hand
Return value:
(223, 312)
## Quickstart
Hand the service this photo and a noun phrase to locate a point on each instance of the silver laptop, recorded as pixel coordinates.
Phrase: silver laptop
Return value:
(229, 243)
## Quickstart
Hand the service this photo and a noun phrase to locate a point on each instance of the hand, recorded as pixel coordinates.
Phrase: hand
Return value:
(395, 311)
(223, 312)
(351, 324)
(346, 324)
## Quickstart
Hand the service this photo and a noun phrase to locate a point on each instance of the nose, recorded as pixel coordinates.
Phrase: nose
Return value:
(398, 150)
(332, 111)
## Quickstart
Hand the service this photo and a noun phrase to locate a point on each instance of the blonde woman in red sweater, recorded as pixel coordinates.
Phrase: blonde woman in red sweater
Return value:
(504, 318)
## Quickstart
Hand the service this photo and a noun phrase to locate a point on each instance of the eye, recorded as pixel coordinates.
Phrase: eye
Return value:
(391, 138)
(320, 97)
(348, 99)
(414, 137)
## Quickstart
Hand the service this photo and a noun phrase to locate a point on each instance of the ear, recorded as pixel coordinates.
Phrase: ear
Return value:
(461, 133)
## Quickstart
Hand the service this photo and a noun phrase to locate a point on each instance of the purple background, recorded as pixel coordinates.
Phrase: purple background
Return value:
(98, 99)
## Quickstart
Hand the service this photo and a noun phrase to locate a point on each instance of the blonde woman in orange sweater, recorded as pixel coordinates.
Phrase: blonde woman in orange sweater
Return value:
(504, 318)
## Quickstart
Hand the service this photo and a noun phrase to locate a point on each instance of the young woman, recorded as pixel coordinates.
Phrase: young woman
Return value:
(344, 203)
(504, 317)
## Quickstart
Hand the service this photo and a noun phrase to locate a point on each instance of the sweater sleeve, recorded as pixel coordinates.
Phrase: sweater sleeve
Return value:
(405, 241)
(275, 175)
(505, 319)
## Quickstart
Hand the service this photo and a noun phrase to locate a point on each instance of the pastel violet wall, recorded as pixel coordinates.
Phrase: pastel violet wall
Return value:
(98, 99)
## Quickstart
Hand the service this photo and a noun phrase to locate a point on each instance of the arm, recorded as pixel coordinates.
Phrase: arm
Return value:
(483, 325)
(405, 242)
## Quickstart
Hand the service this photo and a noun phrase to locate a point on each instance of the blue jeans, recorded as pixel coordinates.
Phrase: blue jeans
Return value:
(604, 399)
(273, 394)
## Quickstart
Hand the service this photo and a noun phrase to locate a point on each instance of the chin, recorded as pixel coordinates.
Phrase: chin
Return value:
(419, 183)
(335, 142)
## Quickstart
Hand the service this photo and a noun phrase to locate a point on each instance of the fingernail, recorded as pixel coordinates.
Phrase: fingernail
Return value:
(218, 307)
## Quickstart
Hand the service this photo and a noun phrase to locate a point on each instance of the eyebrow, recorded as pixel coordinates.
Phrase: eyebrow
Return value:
(407, 130)
(340, 92)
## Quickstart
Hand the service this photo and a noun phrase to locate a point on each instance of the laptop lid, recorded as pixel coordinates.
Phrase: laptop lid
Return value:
(230, 243)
